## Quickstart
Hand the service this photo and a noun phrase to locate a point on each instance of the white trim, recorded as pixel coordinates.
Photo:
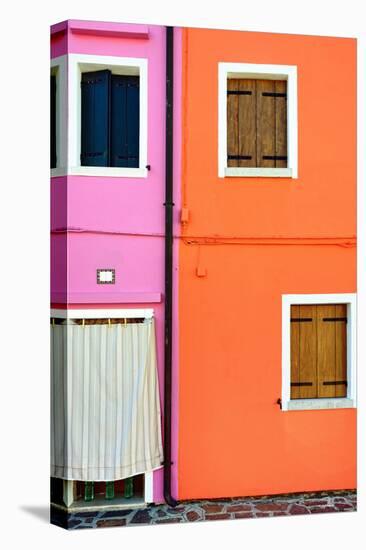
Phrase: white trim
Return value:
(101, 505)
(149, 487)
(117, 504)
(68, 492)
(270, 72)
(321, 403)
(102, 313)
(118, 65)
(108, 171)
(295, 404)
(59, 68)
(240, 172)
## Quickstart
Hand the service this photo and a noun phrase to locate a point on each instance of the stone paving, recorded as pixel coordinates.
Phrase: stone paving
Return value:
(208, 510)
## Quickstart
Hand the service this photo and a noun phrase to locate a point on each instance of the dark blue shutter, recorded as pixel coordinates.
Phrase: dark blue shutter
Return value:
(95, 118)
(53, 121)
(125, 121)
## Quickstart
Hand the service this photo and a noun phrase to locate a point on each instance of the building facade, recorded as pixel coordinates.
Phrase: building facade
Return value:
(247, 271)
(252, 245)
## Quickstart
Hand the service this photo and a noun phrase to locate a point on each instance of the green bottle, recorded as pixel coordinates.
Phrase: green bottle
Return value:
(89, 491)
(128, 488)
(109, 490)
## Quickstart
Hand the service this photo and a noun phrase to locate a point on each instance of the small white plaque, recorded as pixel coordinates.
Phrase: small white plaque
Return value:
(105, 276)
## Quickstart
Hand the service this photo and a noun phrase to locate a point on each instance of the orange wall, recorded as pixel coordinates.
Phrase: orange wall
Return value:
(233, 438)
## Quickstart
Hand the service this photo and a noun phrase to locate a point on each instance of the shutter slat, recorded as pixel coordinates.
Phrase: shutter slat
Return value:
(233, 122)
(265, 123)
(281, 123)
(246, 122)
(326, 351)
(125, 121)
(295, 349)
(307, 352)
(133, 121)
(95, 115)
(341, 350)
(119, 121)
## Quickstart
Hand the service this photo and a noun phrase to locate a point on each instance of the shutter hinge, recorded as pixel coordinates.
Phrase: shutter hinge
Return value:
(239, 92)
(274, 94)
(335, 319)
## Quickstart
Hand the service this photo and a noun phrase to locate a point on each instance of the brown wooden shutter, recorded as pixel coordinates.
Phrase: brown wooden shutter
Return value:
(281, 123)
(271, 123)
(318, 351)
(332, 363)
(256, 123)
(241, 122)
(266, 129)
(295, 352)
(341, 350)
(232, 122)
(247, 123)
(303, 352)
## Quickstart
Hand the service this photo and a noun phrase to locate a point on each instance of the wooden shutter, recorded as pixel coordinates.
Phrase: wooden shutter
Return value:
(281, 123)
(53, 121)
(332, 363)
(256, 123)
(125, 121)
(266, 130)
(241, 123)
(303, 352)
(271, 123)
(318, 351)
(95, 118)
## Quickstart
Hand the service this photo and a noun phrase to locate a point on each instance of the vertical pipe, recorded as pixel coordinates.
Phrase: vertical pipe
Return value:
(168, 268)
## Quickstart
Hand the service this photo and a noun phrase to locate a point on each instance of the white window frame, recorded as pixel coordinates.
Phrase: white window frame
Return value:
(268, 72)
(289, 404)
(79, 63)
(68, 485)
(59, 69)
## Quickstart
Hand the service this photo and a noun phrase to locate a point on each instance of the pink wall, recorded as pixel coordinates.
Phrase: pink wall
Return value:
(117, 222)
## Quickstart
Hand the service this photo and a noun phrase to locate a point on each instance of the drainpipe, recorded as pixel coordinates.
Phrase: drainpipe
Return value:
(168, 270)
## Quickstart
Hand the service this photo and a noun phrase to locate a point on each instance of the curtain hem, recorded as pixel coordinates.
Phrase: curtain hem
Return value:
(112, 473)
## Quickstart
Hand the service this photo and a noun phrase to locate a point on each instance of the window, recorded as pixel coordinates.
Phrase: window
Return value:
(110, 110)
(256, 123)
(58, 120)
(318, 351)
(257, 120)
(53, 153)
(108, 116)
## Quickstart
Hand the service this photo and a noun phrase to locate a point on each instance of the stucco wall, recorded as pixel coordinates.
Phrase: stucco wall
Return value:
(116, 222)
(233, 438)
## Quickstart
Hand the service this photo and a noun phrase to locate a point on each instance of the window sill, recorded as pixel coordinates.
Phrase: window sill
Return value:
(258, 172)
(320, 404)
(108, 172)
(57, 172)
(100, 171)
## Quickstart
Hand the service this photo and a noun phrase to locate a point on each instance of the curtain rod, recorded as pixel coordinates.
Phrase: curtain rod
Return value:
(101, 321)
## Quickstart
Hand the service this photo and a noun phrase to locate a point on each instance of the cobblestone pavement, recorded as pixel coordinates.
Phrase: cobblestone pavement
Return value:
(208, 510)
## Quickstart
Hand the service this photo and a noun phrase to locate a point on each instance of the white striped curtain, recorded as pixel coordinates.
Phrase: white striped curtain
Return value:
(105, 409)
